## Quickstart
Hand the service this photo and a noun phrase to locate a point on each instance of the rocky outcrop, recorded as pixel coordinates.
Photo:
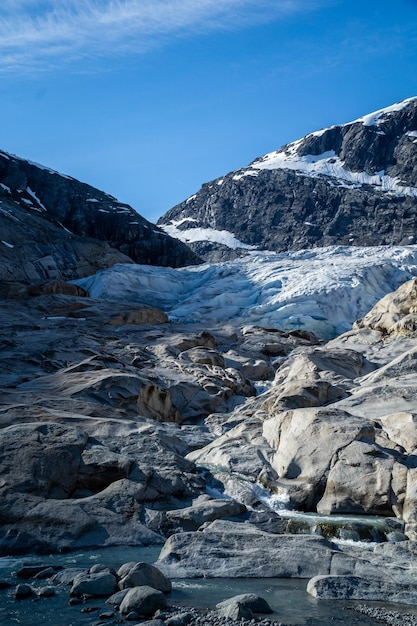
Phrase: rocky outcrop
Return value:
(352, 184)
(335, 433)
(357, 588)
(54, 227)
(394, 314)
(88, 457)
(257, 418)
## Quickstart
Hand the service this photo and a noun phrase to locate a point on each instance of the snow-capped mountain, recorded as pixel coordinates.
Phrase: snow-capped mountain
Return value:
(55, 227)
(353, 184)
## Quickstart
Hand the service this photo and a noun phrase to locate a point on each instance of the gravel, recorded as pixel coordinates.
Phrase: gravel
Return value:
(393, 618)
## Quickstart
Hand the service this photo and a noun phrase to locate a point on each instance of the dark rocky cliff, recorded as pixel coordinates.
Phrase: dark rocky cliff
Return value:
(354, 184)
(55, 227)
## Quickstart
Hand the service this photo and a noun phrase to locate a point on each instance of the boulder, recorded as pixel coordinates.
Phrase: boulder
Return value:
(249, 600)
(401, 429)
(23, 591)
(234, 611)
(46, 592)
(145, 574)
(315, 377)
(360, 481)
(192, 517)
(357, 588)
(116, 598)
(143, 600)
(68, 575)
(36, 571)
(180, 619)
(241, 553)
(96, 585)
(307, 442)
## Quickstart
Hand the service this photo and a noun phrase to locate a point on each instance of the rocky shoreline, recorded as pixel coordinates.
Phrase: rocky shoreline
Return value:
(138, 593)
(390, 617)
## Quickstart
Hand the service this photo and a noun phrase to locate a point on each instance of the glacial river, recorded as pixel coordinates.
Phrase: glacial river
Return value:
(288, 598)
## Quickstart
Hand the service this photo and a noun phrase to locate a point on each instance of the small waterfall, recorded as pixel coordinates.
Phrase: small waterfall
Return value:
(339, 527)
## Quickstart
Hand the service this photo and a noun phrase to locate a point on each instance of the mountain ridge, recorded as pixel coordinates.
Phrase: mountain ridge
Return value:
(56, 227)
(351, 184)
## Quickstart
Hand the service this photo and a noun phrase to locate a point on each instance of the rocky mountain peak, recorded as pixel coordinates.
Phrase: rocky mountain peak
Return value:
(347, 184)
(55, 227)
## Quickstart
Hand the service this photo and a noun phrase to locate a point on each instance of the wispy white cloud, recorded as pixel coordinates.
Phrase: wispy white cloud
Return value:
(47, 33)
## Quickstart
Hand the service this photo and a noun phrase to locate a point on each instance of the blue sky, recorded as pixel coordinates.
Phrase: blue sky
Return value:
(149, 99)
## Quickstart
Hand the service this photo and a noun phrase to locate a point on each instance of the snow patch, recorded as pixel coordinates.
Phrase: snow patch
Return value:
(330, 166)
(35, 197)
(7, 244)
(245, 173)
(92, 200)
(5, 187)
(182, 221)
(375, 118)
(65, 228)
(206, 234)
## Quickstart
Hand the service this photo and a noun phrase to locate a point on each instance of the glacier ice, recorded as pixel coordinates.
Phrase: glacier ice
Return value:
(323, 290)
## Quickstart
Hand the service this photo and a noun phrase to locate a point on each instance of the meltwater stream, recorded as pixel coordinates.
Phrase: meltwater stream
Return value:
(288, 598)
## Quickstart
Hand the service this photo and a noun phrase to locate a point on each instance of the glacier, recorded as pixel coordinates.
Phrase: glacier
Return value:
(322, 290)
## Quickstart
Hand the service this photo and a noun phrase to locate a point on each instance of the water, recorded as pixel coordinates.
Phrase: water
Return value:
(288, 598)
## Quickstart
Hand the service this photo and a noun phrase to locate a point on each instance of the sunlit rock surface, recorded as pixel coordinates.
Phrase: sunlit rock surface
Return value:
(123, 424)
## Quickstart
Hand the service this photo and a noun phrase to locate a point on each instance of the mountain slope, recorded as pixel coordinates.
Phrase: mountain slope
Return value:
(53, 226)
(352, 184)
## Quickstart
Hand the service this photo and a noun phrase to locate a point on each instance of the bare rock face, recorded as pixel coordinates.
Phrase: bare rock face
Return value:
(352, 184)
(54, 227)
(84, 460)
(111, 433)
(46, 462)
(335, 433)
(395, 313)
(144, 315)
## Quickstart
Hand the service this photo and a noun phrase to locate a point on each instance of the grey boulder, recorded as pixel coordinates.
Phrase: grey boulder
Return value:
(99, 584)
(145, 574)
(249, 600)
(143, 601)
(357, 588)
(235, 611)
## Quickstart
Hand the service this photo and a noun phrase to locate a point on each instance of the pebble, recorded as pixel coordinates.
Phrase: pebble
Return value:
(393, 618)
